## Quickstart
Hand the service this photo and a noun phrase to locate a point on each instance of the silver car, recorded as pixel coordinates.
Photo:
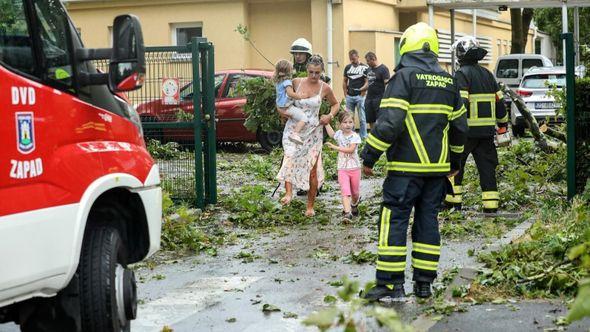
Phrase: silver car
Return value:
(534, 88)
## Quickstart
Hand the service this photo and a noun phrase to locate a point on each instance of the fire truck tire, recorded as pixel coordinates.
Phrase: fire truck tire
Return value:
(108, 297)
(269, 140)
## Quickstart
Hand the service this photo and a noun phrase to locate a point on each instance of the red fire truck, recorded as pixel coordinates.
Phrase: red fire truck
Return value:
(80, 195)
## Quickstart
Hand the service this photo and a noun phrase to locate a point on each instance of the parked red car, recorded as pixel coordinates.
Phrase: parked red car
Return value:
(229, 111)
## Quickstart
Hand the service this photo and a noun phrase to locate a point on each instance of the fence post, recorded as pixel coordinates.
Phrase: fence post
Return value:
(571, 116)
(208, 78)
(197, 121)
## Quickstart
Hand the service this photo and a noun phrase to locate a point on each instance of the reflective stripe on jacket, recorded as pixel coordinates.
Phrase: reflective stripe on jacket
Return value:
(483, 99)
(422, 121)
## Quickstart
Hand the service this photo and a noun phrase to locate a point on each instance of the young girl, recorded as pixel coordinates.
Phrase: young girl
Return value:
(349, 165)
(285, 97)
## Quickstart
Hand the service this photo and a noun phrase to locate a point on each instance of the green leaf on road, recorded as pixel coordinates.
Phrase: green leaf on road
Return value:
(290, 315)
(269, 308)
(322, 319)
(329, 299)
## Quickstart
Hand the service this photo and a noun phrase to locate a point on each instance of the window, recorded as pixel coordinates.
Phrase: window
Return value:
(110, 35)
(15, 40)
(231, 89)
(542, 81)
(529, 63)
(507, 68)
(186, 93)
(538, 46)
(53, 28)
(182, 33)
(396, 56)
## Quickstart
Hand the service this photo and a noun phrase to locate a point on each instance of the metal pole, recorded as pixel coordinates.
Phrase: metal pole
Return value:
(577, 34)
(474, 21)
(564, 26)
(571, 116)
(211, 153)
(197, 124)
(329, 38)
(452, 12)
(431, 15)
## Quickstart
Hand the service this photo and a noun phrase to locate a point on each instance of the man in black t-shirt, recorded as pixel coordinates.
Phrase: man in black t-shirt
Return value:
(354, 80)
(377, 76)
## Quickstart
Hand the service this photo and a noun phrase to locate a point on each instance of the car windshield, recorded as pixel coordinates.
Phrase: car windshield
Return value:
(541, 81)
(507, 68)
(187, 91)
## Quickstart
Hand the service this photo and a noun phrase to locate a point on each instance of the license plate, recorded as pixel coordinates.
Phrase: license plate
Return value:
(548, 105)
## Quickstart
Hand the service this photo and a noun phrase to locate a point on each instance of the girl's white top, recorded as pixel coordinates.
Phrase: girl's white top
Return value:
(348, 160)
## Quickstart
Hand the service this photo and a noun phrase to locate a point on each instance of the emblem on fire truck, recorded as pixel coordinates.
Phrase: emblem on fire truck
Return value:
(25, 132)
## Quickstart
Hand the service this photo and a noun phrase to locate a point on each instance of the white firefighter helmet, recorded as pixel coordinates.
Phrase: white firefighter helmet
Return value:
(468, 47)
(301, 45)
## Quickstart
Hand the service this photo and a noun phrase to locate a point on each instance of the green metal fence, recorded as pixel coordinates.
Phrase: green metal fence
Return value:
(578, 125)
(177, 108)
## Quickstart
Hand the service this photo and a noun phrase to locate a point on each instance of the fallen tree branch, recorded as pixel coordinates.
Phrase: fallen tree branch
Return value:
(553, 133)
(539, 137)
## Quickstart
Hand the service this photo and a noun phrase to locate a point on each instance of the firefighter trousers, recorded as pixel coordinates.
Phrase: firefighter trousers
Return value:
(486, 159)
(400, 195)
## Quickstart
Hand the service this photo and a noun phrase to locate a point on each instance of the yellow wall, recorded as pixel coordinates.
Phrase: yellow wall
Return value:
(363, 42)
(219, 21)
(385, 50)
(366, 25)
(274, 26)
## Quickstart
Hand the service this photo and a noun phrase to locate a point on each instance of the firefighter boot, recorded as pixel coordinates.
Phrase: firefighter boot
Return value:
(380, 292)
(422, 289)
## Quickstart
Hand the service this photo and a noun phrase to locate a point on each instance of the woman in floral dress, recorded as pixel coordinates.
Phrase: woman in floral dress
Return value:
(302, 164)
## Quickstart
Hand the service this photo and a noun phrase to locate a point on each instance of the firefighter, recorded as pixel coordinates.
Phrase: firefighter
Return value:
(422, 129)
(302, 51)
(485, 108)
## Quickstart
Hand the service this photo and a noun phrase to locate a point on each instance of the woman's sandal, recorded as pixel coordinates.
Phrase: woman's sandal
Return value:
(310, 213)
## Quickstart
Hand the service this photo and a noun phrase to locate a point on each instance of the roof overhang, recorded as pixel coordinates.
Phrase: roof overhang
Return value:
(477, 4)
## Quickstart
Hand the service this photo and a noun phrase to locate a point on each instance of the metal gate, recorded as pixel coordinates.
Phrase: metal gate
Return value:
(177, 110)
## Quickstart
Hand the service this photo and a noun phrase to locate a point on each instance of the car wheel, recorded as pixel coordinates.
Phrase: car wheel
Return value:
(517, 130)
(269, 140)
(108, 292)
(155, 133)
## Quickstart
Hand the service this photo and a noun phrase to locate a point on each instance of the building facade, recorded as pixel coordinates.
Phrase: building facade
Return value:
(365, 25)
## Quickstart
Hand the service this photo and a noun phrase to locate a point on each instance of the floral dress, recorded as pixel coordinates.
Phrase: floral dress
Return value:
(298, 160)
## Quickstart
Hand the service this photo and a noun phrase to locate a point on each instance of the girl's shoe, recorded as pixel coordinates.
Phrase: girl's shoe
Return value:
(354, 208)
(295, 139)
(347, 216)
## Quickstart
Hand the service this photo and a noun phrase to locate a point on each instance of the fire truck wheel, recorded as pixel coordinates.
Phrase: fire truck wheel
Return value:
(108, 295)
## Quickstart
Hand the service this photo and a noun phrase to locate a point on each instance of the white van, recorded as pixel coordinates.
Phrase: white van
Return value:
(511, 67)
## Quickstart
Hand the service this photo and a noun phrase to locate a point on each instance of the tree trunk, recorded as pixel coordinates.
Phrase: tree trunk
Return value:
(517, 30)
(527, 16)
(547, 146)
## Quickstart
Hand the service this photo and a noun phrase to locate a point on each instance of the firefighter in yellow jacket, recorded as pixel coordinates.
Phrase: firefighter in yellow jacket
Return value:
(421, 128)
(485, 109)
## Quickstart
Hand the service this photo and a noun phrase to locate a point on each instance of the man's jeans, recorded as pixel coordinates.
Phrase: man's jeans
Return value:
(352, 102)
